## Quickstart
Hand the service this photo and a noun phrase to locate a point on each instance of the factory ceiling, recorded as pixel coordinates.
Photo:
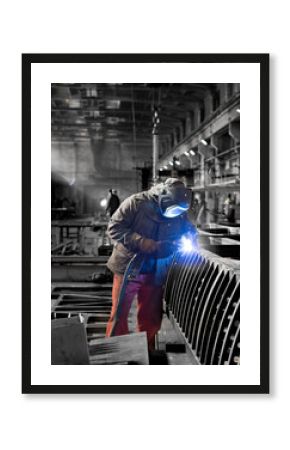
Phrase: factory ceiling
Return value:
(124, 112)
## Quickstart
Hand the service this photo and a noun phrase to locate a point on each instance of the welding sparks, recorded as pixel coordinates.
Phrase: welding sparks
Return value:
(187, 245)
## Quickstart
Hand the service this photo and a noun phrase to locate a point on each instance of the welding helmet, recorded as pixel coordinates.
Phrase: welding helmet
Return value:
(174, 198)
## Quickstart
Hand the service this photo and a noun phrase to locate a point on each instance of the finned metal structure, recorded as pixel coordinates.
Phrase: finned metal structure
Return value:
(202, 298)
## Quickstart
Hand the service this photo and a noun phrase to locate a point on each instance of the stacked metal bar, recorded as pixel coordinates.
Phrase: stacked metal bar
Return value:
(91, 302)
(203, 300)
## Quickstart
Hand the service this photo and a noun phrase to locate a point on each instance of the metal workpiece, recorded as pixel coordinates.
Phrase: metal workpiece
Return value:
(202, 297)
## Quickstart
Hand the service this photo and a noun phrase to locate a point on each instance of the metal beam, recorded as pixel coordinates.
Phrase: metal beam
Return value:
(215, 123)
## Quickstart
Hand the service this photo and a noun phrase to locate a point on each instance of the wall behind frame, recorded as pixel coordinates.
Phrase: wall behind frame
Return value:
(219, 422)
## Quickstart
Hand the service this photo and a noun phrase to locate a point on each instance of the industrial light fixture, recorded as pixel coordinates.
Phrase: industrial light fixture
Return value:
(113, 104)
(171, 163)
(192, 152)
(238, 110)
(203, 141)
(186, 153)
(177, 162)
(161, 169)
(165, 167)
(103, 202)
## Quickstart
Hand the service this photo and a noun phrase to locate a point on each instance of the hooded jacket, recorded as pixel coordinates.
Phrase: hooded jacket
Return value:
(141, 214)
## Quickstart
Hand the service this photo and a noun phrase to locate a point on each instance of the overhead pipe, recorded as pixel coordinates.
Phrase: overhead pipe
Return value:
(155, 145)
(155, 137)
(155, 155)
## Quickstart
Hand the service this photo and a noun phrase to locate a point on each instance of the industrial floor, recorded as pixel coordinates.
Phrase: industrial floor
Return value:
(67, 302)
(170, 349)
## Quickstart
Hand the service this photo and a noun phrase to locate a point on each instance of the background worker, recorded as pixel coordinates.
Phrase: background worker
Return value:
(113, 202)
(151, 224)
(229, 209)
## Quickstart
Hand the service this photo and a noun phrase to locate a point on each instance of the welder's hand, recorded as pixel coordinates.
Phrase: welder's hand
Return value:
(148, 246)
(166, 248)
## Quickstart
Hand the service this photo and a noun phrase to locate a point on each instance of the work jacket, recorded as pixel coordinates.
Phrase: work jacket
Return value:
(141, 214)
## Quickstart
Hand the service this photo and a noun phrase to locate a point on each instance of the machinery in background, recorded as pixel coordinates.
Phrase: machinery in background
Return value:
(80, 250)
(222, 240)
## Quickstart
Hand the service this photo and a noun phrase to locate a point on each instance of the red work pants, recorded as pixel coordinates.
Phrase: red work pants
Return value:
(149, 312)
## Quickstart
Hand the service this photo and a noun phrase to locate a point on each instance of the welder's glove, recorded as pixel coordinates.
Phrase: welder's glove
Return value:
(148, 245)
(165, 248)
(142, 244)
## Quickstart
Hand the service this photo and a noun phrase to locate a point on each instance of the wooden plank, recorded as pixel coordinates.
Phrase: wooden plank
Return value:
(130, 348)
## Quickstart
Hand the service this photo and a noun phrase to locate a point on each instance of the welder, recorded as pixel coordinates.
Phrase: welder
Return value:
(147, 230)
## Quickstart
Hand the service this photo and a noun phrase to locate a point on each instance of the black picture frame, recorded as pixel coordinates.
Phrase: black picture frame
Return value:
(263, 61)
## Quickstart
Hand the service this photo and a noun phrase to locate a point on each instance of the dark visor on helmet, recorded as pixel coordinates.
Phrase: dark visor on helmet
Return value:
(176, 203)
